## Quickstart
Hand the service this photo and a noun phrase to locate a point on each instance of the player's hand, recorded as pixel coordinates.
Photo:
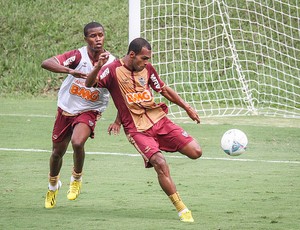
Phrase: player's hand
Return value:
(114, 128)
(193, 114)
(78, 74)
(103, 58)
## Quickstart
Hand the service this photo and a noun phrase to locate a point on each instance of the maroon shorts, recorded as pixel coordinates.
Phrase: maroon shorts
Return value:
(164, 135)
(64, 124)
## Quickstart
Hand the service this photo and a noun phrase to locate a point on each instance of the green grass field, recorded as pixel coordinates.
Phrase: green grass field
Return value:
(257, 190)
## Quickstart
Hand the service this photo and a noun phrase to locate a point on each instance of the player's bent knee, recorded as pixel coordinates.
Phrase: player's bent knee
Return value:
(192, 150)
(77, 144)
(198, 153)
(195, 153)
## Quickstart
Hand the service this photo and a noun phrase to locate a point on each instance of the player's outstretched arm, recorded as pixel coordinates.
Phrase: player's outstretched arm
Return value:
(172, 96)
(53, 65)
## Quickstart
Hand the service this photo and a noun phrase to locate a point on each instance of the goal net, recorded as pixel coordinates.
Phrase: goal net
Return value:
(227, 57)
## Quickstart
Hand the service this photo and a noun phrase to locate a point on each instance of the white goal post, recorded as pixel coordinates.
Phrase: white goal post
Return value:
(225, 57)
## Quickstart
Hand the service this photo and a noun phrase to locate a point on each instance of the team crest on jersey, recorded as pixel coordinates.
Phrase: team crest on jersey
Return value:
(142, 81)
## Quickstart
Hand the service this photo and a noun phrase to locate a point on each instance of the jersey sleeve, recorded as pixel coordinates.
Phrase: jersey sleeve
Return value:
(103, 76)
(69, 59)
(154, 80)
(106, 74)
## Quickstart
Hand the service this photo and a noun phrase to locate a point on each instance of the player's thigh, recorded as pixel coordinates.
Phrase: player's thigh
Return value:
(81, 132)
(145, 144)
(174, 139)
(83, 127)
(179, 140)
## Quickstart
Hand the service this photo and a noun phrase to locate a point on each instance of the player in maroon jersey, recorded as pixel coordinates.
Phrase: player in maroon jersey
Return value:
(146, 125)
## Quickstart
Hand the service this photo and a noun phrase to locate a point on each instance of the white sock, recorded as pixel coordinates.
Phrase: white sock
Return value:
(73, 179)
(55, 187)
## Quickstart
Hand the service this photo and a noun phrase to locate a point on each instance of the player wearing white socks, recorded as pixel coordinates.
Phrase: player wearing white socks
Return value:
(79, 108)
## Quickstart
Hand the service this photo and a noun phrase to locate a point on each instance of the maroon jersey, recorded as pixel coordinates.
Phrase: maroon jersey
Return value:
(132, 95)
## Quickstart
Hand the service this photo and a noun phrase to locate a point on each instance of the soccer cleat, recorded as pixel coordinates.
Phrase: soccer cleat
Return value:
(74, 190)
(50, 200)
(186, 217)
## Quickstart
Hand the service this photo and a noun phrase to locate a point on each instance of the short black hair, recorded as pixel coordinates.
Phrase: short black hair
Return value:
(90, 26)
(137, 44)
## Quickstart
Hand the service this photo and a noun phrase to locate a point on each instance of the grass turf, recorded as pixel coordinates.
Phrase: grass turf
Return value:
(258, 190)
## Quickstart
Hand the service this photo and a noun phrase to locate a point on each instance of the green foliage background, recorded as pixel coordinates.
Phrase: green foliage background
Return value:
(33, 30)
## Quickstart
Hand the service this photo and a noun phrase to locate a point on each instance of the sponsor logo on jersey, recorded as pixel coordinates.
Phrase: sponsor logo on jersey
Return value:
(84, 64)
(84, 93)
(155, 81)
(79, 81)
(105, 73)
(69, 61)
(138, 97)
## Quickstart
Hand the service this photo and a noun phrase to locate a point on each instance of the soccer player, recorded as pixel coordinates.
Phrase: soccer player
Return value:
(78, 110)
(146, 125)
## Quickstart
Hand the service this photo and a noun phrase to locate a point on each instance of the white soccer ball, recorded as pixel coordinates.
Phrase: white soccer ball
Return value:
(234, 142)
